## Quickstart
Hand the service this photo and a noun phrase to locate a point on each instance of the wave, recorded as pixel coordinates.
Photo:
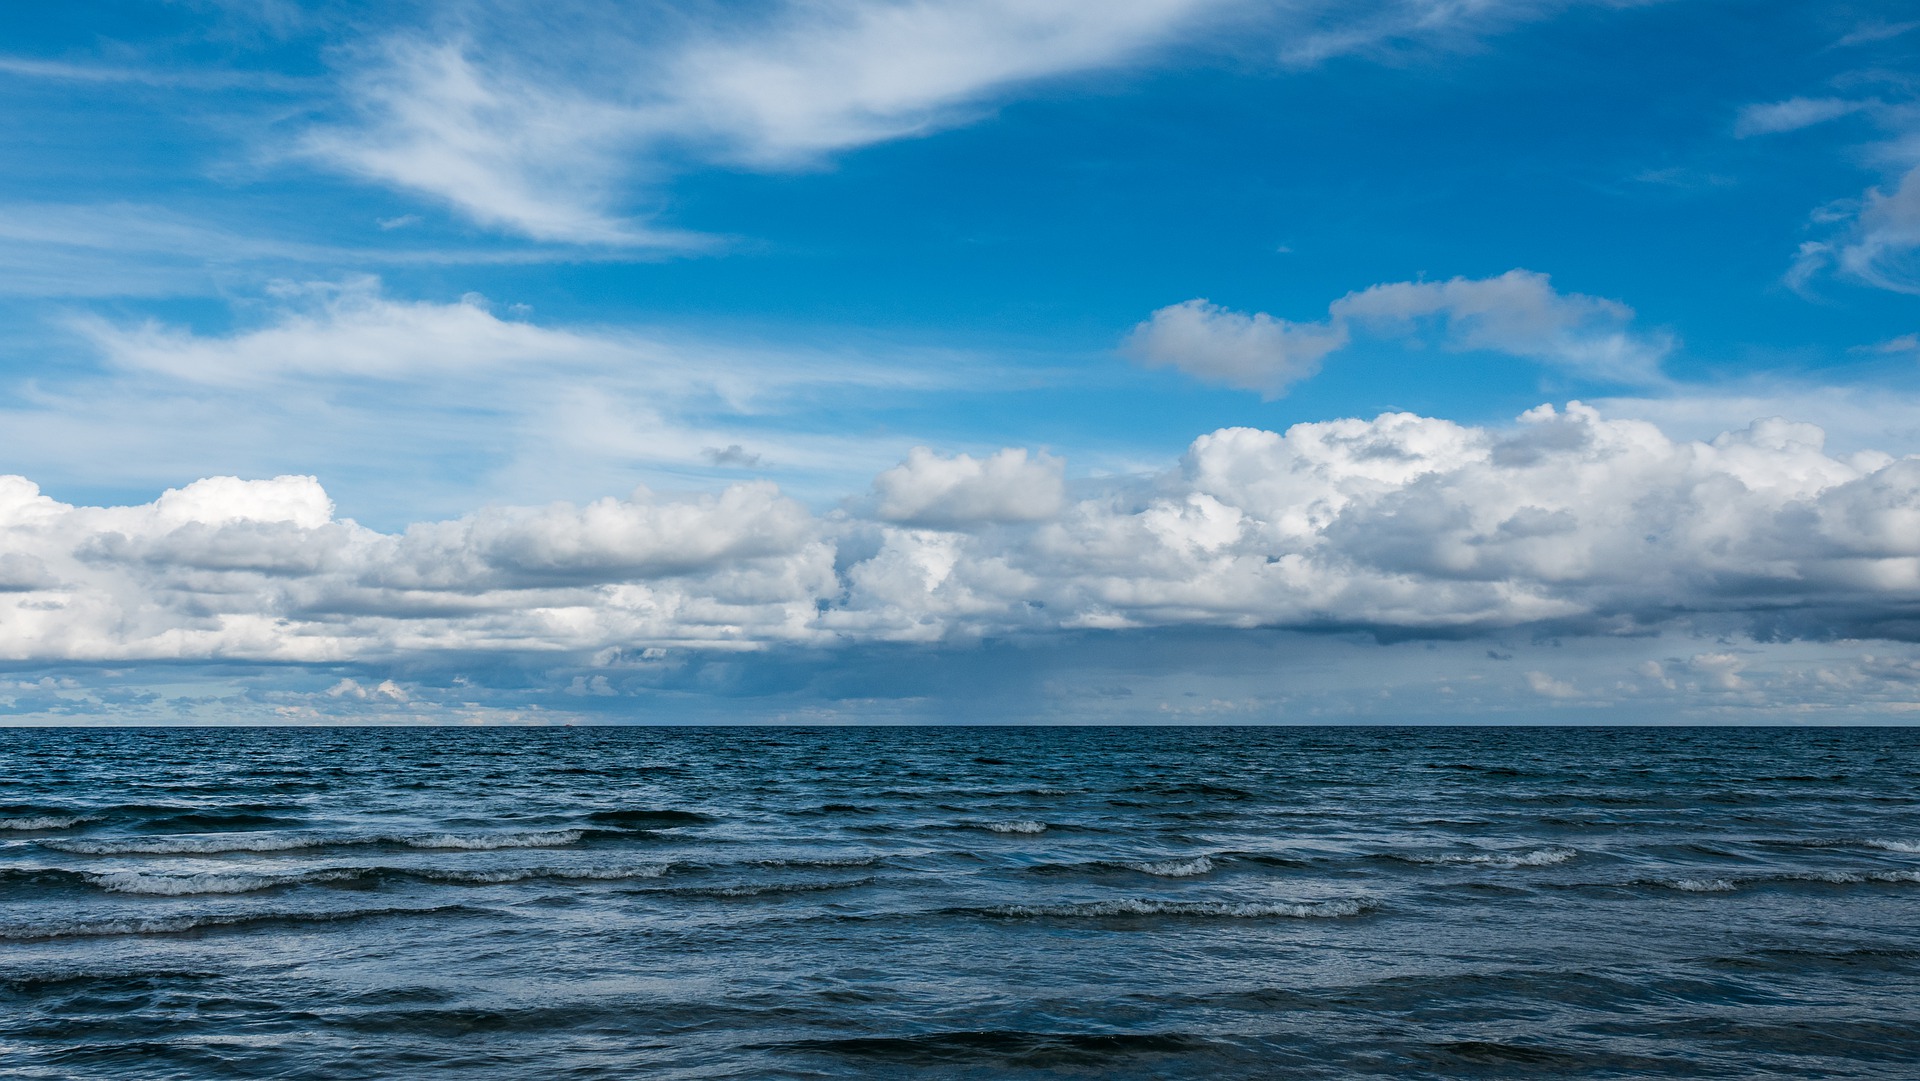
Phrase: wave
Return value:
(818, 861)
(1729, 883)
(202, 818)
(1023, 825)
(523, 874)
(46, 822)
(1239, 910)
(1175, 868)
(762, 889)
(200, 845)
(836, 809)
(486, 842)
(1191, 788)
(1893, 846)
(210, 882)
(226, 882)
(167, 925)
(1541, 857)
(1699, 885)
(948, 1050)
(648, 818)
(55, 877)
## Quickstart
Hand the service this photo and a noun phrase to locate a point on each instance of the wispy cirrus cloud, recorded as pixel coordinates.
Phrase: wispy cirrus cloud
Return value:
(1874, 238)
(560, 135)
(455, 402)
(548, 152)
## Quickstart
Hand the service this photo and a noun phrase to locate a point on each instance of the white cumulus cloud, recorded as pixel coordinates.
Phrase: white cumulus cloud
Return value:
(1006, 486)
(1400, 524)
(1519, 313)
(1251, 352)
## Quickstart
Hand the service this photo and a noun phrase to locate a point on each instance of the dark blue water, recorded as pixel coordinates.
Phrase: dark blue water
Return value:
(1005, 903)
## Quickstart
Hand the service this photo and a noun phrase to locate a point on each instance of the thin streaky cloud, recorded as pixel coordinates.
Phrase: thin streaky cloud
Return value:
(169, 77)
(563, 150)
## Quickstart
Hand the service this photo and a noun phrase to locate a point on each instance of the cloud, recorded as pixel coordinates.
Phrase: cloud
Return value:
(548, 149)
(1416, 523)
(1402, 525)
(431, 407)
(261, 570)
(1007, 486)
(832, 76)
(1881, 247)
(1871, 239)
(1901, 344)
(1546, 686)
(1390, 30)
(505, 151)
(1877, 242)
(1251, 352)
(556, 128)
(121, 249)
(1792, 115)
(350, 330)
(1518, 313)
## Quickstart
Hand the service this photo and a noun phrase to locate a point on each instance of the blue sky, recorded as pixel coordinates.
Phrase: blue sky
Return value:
(867, 360)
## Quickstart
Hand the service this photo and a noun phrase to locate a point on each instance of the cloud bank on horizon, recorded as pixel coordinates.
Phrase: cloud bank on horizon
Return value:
(934, 329)
(1399, 525)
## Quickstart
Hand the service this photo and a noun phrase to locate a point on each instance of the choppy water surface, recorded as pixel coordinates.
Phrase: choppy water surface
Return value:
(1168, 903)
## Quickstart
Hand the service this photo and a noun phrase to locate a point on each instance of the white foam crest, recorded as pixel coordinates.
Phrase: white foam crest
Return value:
(1544, 857)
(1701, 885)
(823, 861)
(208, 882)
(45, 822)
(1851, 878)
(481, 842)
(1893, 846)
(1838, 878)
(764, 888)
(521, 874)
(1023, 825)
(1244, 910)
(1175, 868)
(195, 845)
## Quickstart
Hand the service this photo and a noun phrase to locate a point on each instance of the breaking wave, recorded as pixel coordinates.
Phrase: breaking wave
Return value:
(1542, 857)
(45, 822)
(1175, 868)
(1728, 883)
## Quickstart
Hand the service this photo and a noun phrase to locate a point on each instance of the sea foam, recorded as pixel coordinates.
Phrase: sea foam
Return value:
(46, 822)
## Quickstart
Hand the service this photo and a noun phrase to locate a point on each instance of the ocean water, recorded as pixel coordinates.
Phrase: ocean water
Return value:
(960, 902)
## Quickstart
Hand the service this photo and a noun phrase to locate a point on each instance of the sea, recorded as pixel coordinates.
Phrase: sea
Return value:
(960, 902)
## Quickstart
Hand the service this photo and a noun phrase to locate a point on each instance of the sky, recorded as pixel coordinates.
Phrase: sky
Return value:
(1003, 361)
